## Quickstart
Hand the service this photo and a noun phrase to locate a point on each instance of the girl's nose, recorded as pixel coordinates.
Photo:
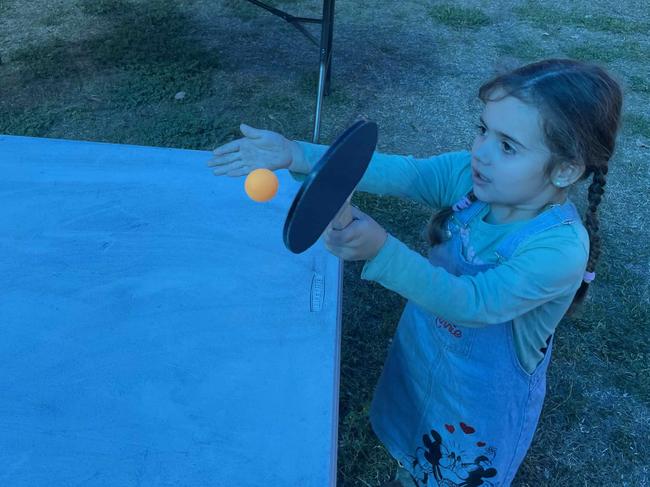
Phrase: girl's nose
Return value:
(481, 151)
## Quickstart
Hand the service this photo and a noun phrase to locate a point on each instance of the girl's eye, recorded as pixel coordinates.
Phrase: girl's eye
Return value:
(507, 148)
(481, 129)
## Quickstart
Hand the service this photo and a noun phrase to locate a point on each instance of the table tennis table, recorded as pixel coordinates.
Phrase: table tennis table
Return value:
(155, 330)
(325, 50)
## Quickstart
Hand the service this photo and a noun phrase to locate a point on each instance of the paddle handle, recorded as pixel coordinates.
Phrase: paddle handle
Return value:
(344, 217)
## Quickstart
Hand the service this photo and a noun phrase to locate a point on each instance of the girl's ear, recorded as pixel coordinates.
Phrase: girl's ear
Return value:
(566, 173)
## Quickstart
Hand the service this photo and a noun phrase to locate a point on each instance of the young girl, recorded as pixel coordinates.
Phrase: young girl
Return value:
(462, 387)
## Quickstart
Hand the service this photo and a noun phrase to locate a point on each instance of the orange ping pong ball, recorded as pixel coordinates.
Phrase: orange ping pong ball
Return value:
(261, 185)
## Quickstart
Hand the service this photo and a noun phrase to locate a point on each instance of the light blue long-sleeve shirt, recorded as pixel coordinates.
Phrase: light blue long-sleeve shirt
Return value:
(534, 288)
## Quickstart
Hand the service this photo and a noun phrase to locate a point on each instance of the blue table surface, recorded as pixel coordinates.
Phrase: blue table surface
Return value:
(154, 329)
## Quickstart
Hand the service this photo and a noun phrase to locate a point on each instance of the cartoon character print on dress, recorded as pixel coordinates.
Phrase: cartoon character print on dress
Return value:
(443, 463)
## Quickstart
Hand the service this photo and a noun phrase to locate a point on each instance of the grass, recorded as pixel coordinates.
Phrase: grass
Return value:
(114, 76)
(134, 67)
(524, 49)
(548, 17)
(629, 51)
(459, 17)
(637, 124)
(640, 84)
(530, 49)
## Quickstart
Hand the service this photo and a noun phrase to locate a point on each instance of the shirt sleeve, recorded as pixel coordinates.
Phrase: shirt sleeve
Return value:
(548, 266)
(436, 182)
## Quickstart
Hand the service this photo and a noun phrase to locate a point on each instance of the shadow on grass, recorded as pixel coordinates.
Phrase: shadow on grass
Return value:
(152, 39)
(144, 55)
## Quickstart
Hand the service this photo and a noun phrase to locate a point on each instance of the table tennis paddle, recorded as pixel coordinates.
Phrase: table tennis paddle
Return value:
(325, 194)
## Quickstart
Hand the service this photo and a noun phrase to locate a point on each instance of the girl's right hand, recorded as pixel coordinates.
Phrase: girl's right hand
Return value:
(257, 149)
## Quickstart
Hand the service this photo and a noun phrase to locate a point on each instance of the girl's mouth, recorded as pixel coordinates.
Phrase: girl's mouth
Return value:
(478, 178)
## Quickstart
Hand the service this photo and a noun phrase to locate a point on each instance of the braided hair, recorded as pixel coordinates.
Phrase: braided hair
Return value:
(580, 105)
(594, 197)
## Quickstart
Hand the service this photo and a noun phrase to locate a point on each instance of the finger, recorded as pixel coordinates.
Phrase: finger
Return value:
(333, 236)
(226, 148)
(326, 233)
(225, 159)
(234, 169)
(355, 242)
(345, 235)
(250, 132)
(327, 238)
(329, 248)
(240, 171)
(339, 252)
(330, 239)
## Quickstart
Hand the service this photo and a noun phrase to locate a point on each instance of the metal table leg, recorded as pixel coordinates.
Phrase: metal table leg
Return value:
(325, 62)
(325, 46)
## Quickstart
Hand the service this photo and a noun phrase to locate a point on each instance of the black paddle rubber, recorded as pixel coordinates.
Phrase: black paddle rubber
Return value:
(328, 185)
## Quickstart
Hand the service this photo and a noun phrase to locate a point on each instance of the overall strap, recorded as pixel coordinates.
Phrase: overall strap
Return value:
(464, 216)
(564, 214)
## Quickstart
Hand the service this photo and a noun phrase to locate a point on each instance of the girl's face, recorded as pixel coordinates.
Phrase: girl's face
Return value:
(509, 157)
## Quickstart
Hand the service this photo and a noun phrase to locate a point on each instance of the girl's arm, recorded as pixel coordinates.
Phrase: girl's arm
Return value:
(436, 182)
(546, 267)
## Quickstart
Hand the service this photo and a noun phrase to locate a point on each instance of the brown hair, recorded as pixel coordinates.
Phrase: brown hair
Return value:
(580, 105)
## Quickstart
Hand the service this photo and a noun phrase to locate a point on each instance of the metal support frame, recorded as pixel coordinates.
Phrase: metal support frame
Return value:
(325, 46)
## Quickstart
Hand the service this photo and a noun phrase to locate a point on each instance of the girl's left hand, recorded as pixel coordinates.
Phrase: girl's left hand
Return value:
(360, 240)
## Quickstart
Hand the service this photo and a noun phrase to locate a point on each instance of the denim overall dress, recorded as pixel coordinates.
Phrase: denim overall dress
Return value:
(453, 404)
